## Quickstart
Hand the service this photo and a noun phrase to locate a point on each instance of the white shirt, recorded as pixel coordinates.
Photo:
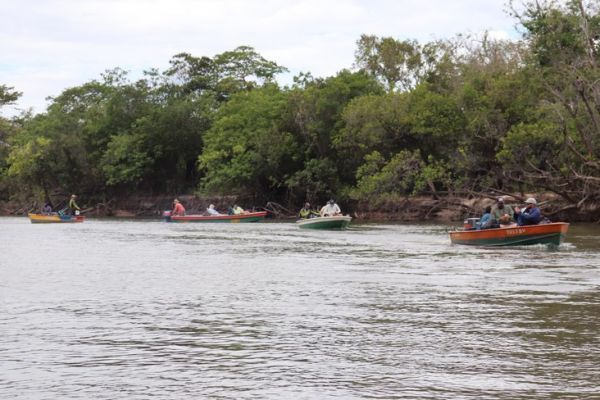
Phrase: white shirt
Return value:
(330, 210)
(212, 211)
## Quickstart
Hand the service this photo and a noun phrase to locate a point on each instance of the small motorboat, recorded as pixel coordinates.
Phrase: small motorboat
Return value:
(337, 222)
(54, 218)
(513, 235)
(248, 217)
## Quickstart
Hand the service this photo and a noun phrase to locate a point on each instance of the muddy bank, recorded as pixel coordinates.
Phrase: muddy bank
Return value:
(409, 209)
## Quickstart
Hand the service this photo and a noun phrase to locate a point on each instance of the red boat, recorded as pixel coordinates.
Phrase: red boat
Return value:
(248, 217)
(552, 234)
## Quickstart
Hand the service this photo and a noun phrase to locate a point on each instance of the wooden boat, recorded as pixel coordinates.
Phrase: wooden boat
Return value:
(54, 218)
(248, 217)
(338, 222)
(552, 234)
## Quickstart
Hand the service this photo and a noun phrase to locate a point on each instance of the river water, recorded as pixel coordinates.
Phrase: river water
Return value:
(122, 309)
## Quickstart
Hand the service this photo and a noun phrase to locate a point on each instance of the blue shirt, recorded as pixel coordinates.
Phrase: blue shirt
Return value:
(485, 221)
(529, 216)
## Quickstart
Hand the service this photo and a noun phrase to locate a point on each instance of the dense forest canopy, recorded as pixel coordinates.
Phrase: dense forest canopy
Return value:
(408, 118)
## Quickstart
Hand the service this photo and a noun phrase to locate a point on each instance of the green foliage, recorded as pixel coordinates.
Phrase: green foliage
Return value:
(396, 63)
(247, 149)
(399, 176)
(455, 115)
(31, 161)
(532, 146)
(8, 95)
(372, 123)
(317, 181)
(125, 160)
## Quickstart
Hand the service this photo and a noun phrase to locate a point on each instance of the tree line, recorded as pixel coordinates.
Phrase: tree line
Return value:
(468, 114)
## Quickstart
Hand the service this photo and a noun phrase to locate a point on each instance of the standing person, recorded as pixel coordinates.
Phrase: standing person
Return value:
(331, 209)
(502, 213)
(531, 215)
(73, 207)
(178, 208)
(306, 212)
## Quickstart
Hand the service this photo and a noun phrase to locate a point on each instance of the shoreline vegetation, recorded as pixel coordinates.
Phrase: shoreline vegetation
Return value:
(444, 209)
(411, 131)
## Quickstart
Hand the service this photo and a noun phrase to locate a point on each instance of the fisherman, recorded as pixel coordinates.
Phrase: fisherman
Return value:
(306, 212)
(73, 208)
(237, 210)
(47, 209)
(211, 210)
(531, 215)
(331, 209)
(485, 221)
(178, 208)
(502, 213)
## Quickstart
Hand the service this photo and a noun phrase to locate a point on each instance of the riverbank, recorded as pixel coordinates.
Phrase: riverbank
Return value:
(407, 209)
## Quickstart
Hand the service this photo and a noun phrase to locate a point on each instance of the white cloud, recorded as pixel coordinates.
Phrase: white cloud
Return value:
(47, 46)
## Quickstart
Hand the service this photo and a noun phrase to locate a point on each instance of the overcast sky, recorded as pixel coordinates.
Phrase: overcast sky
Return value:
(47, 46)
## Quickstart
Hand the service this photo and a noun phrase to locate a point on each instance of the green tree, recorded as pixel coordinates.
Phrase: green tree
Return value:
(247, 150)
(397, 63)
(565, 56)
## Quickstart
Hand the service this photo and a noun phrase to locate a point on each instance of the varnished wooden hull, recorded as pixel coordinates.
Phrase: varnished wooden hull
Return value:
(553, 234)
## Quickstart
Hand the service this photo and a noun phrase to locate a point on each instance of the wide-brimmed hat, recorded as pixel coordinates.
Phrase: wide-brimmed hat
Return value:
(531, 200)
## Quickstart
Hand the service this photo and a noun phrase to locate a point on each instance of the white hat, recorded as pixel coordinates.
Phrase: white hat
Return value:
(501, 199)
(211, 206)
(531, 200)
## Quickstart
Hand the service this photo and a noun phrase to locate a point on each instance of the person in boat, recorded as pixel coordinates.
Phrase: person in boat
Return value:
(485, 221)
(237, 210)
(331, 209)
(73, 208)
(212, 211)
(47, 209)
(530, 215)
(306, 212)
(178, 208)
(502, 214)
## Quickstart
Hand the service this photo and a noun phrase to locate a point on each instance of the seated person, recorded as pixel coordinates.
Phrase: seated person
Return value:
(47, 209)
(306, 212)
(486, 219)
(237, 210)
(211, 210)
(502, 213)
(531, 215)
(178, 208)
(330, 209)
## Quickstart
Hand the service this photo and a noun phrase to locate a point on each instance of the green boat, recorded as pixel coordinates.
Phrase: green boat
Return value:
(338, 222)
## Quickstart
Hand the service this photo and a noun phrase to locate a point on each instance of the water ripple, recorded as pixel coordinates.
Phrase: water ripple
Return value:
(145, 309)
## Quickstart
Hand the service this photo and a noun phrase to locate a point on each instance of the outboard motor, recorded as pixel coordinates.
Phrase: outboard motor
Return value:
(167, 215)
(470, 223)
